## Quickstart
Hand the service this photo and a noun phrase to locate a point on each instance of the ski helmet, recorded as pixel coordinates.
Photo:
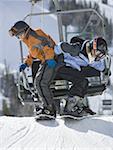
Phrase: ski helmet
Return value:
(99, 46)
(76, 39)
(18, 28)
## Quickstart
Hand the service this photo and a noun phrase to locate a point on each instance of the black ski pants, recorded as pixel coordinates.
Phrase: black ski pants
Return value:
(79, 82)
(42, 82)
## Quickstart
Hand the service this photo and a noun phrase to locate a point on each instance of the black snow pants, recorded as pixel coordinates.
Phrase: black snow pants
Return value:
(79, 82)
(42, 82)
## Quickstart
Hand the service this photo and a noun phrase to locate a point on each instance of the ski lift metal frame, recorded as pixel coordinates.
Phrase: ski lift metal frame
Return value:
(59, 13)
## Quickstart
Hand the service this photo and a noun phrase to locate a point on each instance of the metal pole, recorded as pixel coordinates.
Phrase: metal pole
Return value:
(59, 20)
(21, 51)
(59, 12)
(63, 12)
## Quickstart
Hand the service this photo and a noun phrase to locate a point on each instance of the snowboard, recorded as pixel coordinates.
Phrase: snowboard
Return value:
(44, 117)
(76, 118)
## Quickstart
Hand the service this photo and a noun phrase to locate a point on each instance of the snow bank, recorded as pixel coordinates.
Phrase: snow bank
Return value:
(26, 134)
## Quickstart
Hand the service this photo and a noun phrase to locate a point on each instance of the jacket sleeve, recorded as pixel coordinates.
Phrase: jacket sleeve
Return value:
(58, 49)
(47, 36)
(52, 41)
(98, 65)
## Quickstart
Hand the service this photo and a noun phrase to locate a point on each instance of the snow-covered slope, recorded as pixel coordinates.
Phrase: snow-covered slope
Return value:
(26, 134)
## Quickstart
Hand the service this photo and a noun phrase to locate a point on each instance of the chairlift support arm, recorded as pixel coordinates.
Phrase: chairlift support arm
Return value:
(58, 13)
(57, 6)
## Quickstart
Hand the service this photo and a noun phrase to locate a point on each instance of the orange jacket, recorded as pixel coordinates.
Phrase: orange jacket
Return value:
(34, 52)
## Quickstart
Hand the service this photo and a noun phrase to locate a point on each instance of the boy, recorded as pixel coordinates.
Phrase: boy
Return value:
(40, 46)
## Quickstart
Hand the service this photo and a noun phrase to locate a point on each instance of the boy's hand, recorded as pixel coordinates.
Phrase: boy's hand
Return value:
(23, 67)
(51, 63)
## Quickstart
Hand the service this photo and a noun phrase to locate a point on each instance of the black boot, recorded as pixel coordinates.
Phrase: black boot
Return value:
(45, 113)
(88, 110)
(76, 108)
(71, 108)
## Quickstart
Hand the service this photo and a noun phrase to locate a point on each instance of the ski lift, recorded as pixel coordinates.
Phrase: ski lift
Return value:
(97, 80)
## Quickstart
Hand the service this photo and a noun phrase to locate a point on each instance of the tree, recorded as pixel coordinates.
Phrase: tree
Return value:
(105, 1)
(6, 109)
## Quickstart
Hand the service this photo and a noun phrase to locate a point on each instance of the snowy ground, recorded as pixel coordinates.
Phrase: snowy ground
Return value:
(26, 134)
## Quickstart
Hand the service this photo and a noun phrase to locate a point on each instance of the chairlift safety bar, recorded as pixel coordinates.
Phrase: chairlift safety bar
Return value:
(64, 12)
(25, 85)
(58, 14)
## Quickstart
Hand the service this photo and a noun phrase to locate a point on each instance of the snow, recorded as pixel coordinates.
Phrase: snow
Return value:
(27, 134)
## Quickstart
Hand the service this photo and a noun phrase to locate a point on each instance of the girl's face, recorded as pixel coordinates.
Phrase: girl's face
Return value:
(97, 55)
(21, 36)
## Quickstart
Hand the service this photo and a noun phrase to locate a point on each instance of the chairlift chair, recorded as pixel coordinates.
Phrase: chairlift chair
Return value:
(97, 83)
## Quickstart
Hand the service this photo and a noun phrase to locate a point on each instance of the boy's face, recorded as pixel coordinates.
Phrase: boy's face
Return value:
(21, 36)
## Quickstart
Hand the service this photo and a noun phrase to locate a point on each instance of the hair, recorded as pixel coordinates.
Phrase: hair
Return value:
(76, 39)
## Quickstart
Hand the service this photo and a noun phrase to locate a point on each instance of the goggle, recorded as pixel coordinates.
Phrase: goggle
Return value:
(14, 32)
(100, 51)
(19, 34)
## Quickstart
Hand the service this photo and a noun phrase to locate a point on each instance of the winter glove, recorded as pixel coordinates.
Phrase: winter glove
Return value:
(22, 67)
(51, 63)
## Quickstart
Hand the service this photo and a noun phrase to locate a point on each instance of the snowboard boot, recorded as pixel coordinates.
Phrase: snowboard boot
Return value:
(71, 108)
(45, 113)
(89, 111)
(76, 107)
(83, 108)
